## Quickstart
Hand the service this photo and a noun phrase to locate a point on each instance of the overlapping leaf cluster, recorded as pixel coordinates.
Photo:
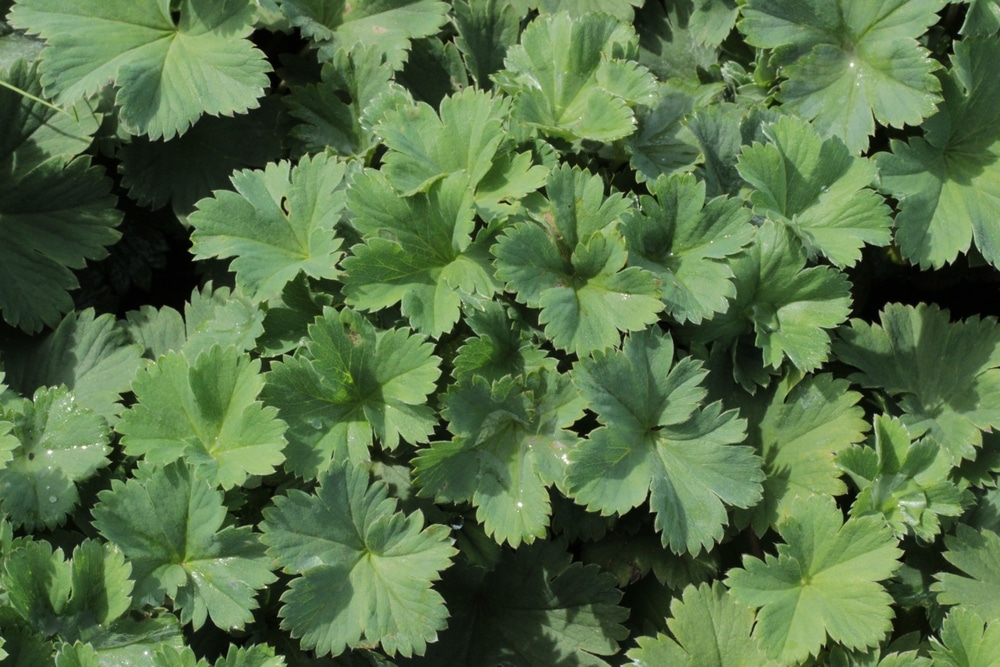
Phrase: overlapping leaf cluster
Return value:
(527, 332)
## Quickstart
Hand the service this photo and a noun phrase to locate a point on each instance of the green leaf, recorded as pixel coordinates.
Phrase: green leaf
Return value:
(818, 189)
(187, 168)
(167, 522)
(967, 641)
(325, 120)
(902, 481)
(388, 25)
(206, 413)
(131, 642)
(822, 585)
(61, 444)
(423, 147)
(501, 346)
(510, 444)
(560, 76)
(845, 64)
(167, 73)
(708, 628)
(685, 243)
(544, 610)
(944, 374)
(658, 442)
(418, 251)
(713, 20)
(486, 29)
(53, 218)
(256, 655)
(278, 222)
(217, 316)
(662, 144)
(721, 130)
(798, 434)
(976, 554)
(947, 181)
(365, 570)
(34, 132)
(90, 355)
(570, 262)
(352, 384)
(982, 18)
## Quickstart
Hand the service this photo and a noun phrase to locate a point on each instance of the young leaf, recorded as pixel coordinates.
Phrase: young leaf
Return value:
(167, 522)
(946, 375)
(566, 80)
(685, 243)
(278, 222)
(570, 262)
(510, 445)
(168, 73)
(803, 426)
(206, 413)
(423, 147)
(905, 483)
(61, 444)
(658, 441)
(388, 25)
(967, 641)
(844, 64)
(352, 383)
(365, 570)
(823, 584)
(418, 251)
(977, 555)
(544, 610)
(818, 189)
(947, 181)
(709, 629)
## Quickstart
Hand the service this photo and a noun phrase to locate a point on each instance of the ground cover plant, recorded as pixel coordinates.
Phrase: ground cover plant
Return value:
(499, 333)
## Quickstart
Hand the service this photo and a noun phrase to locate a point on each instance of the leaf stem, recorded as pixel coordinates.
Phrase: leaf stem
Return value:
(39, 100)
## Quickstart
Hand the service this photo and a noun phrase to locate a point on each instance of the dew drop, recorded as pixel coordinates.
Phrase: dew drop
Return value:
(53, 499)
(852, 64)
(519, 504)
(316, 423)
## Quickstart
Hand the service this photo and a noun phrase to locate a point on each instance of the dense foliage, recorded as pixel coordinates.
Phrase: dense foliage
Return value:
(479, 333)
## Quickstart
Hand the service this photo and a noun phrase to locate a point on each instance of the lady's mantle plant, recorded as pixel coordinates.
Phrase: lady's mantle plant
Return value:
(520, 332)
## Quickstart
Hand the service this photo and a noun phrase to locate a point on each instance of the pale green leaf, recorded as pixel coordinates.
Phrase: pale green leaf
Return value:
(280, 221)
(658, 442)
(61, 444)
(976, 554)
(713, 20)
(204, 412)
(552, 74)
(169, 524)
(685, 241)
(510, 445)
(90, 355)
(418, 251)
(662, 144)
(946, 375)
(947, 181)
(902, 481)
(350, 385)
(708, 628)
(364, 569)
(823, 585)
(167, 73)
(982, 18)
(388, 25)
(849, 64)
(818, 189)
(967, 641)
(569, 261)
(219, 316)
(798, 434)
